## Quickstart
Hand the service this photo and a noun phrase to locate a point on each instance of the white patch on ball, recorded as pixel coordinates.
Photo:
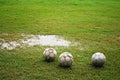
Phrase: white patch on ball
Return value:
(98, 59)
(49, 54)
(65, 59)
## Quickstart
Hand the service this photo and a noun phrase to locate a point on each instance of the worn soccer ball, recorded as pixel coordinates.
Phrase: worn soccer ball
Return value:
(49, 54)
(98, 59)
(65, 59)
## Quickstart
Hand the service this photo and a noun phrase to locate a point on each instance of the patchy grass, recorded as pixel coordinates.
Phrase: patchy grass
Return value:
(94, 24)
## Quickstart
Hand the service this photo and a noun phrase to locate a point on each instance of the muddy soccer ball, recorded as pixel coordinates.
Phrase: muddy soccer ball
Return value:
(49, 54)
(65, 59)
(98, 59)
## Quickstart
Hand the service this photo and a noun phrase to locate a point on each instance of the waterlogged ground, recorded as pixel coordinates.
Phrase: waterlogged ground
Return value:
(94, 24)
(31, 40)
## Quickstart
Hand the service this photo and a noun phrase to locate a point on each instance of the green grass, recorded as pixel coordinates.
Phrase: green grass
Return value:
(95, 24)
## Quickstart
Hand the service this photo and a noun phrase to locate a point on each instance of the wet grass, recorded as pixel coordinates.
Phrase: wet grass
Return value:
(94, 24)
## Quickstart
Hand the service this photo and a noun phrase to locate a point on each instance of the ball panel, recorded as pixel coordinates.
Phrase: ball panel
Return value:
(46, 53)
(67, 59)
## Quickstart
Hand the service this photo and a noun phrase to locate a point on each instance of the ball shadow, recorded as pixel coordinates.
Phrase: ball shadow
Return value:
(64, 67)
(97, 66)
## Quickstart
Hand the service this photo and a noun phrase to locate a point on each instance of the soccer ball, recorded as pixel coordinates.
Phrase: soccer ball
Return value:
(98, 59)
(65, 59)
(49, 54)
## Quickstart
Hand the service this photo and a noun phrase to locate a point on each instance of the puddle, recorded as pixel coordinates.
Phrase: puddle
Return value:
(46, 40)
(10, 45)
(31, 40)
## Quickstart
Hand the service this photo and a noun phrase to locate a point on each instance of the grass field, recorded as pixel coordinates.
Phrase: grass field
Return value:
(95, 24)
